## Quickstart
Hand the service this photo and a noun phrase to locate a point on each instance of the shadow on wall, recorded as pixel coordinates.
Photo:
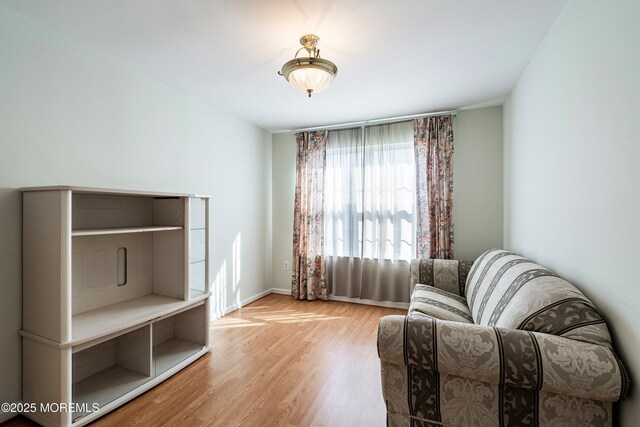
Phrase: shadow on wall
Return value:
(10, 294)
(221, 284)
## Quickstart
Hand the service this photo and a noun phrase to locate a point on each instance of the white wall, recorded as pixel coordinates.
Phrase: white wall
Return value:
(477, 182)
(283, 193)
(571, 161)
(69, 115)
(477, 187)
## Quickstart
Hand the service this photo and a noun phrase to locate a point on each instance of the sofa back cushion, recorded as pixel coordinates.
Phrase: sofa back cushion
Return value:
(447, 274)
(509, 291)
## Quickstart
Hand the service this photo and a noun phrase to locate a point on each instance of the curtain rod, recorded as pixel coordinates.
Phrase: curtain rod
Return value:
(377, 121)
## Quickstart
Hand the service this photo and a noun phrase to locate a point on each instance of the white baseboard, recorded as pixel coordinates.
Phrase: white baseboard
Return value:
(282, 291)
(404, 305)
(233, 307)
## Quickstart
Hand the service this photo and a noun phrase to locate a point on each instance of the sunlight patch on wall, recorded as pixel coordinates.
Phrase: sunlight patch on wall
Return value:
(219, 290)
(237, 266)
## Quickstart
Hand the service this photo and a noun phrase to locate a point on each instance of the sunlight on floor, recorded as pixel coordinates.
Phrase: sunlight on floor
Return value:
(262, 318)
(226, 322)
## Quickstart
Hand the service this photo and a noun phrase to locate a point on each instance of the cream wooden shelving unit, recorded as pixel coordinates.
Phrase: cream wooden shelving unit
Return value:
(115, 296)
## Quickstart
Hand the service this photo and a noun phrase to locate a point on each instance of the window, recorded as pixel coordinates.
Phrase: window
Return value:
(370, 193)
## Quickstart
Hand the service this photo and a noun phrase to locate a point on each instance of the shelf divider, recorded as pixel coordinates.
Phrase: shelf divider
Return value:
(107, 320)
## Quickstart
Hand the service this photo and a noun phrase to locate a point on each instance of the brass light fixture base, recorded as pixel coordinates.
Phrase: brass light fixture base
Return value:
(310, 42)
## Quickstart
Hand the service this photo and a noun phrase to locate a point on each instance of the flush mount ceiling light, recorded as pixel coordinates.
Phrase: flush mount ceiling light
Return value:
(310, 74)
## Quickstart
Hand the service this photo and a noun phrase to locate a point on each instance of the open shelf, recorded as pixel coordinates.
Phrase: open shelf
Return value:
(107, 371)
(106, 386)
(169, 353)
(116, 317)
(178, 337)
(122, 230)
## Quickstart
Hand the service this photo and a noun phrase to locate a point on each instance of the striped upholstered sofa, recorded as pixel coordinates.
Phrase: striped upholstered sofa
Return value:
(497, 342)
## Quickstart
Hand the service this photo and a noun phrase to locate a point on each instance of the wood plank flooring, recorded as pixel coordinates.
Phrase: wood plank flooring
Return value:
(275, 362)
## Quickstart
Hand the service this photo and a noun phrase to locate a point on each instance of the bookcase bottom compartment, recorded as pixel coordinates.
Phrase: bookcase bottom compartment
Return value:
(178, 337)
(105, 387)
(98, 376)
(107, 371)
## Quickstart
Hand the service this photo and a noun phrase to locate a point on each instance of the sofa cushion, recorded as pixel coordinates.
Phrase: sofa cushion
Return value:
(439, 304)
(447, 274)
(509, 291)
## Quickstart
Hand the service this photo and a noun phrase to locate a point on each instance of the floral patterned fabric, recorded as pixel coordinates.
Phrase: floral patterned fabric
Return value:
(507, 290)
(552, 364)
(447, 274)
(309, 278)
(433, 140)
(439, 304)
(460, 374)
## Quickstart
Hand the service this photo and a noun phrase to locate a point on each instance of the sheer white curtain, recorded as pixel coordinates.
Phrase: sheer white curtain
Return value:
(370, 211)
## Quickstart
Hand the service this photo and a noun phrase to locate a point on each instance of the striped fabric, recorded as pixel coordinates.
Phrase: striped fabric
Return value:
(439, 304)
(514, 345)
(506, 290)
(446, 274)
(460, 374)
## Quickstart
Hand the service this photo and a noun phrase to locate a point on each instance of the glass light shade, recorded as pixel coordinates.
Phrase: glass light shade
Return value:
(309, 74)
(310, 78)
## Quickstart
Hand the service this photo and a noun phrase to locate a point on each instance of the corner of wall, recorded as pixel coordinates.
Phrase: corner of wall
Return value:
(268, 209)
(506, 171)
(283, 179)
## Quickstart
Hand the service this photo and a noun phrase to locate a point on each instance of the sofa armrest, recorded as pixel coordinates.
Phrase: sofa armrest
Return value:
(446, 274)
(523, 359)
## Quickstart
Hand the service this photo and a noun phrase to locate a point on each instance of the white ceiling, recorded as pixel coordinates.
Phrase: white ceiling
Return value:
(394, 57)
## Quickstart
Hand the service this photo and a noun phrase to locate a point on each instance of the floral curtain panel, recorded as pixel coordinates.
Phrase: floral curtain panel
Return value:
(309, 277)
(433, 140)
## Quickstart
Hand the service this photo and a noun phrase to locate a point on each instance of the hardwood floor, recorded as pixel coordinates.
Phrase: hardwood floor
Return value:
(275, 362)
